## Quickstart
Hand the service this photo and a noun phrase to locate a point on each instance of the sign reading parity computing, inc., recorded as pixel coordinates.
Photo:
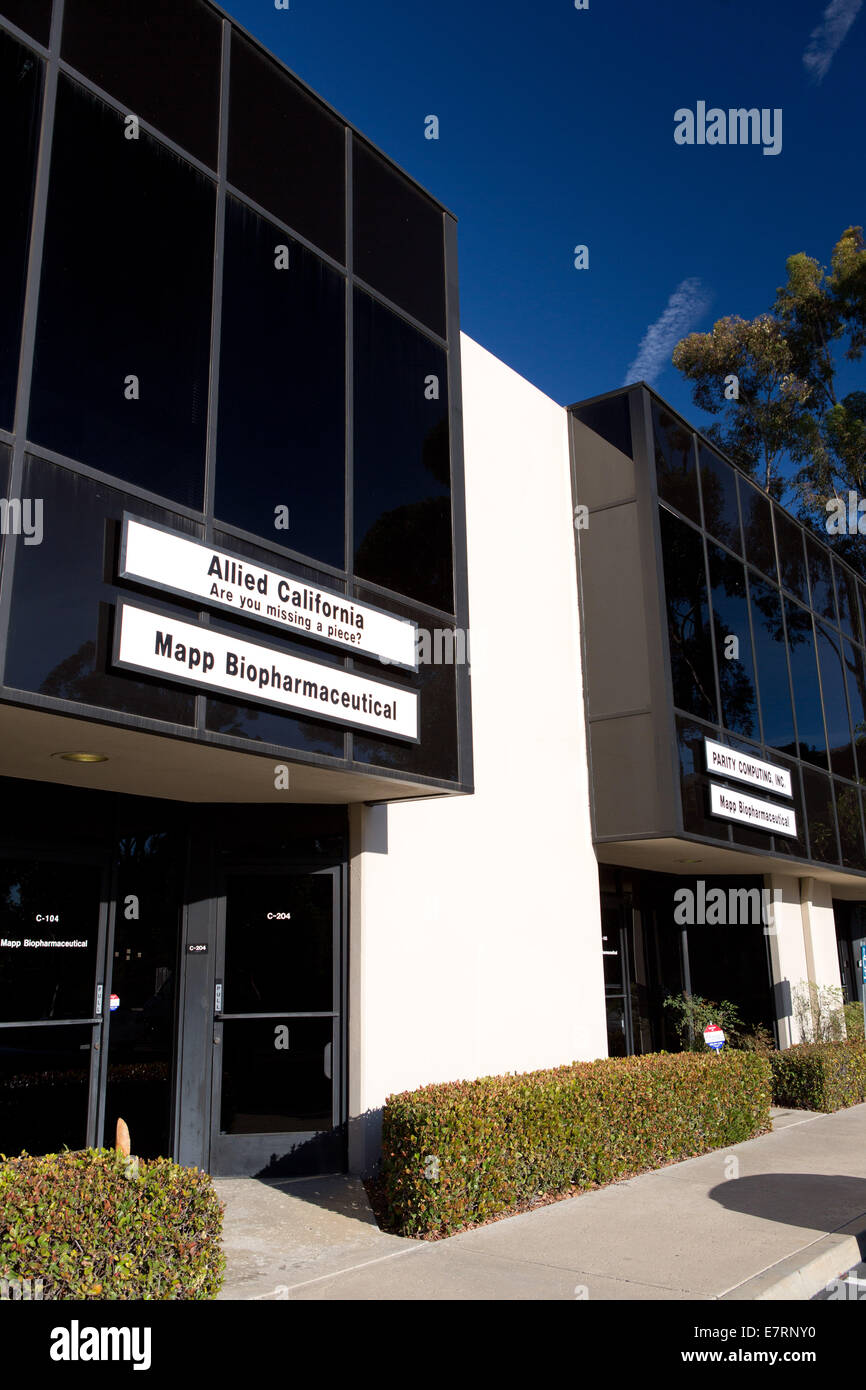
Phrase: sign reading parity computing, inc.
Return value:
(164, 559)
(742, 767)
(157, 643)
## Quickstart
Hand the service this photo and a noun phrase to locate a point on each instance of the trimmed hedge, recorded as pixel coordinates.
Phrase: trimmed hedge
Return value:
(820, 1076)
(94, 1225)
(463, 1152)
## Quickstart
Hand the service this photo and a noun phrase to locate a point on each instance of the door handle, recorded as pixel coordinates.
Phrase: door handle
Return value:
(327, 1060)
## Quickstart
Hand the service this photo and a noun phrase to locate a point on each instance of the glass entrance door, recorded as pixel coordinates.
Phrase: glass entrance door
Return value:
(278, 1092)
(52, 945)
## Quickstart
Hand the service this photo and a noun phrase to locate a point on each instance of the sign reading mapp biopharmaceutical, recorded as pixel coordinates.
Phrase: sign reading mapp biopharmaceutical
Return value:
(742, 767)
(763, 815)
(164, 559)
(159, 644)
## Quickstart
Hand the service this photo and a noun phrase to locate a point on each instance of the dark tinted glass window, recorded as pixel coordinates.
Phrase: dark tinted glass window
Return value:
(20, 106)
(792, 560)
(286, 150)
(790, 844)
(688, 618)
(281, 440)
(850, 826)
(33, 16)
(675, 464)
(719, 487)
(63, 593)
(855, 681)
(162, 60)
(846, 597)
(402, 489)
(435, 682)
(804, 678)
(821, 817)
(695, 782)
(125, 299)
(835, 705)
(772, 663)
(399, 243)
(731, 619)
(611, 419)
(757, 529)
(821, 580)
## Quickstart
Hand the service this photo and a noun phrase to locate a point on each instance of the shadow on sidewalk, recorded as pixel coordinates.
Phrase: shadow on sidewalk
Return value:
(815, 1201)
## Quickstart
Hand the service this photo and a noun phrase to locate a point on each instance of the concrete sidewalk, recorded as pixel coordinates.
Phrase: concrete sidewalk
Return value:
(776, 1217)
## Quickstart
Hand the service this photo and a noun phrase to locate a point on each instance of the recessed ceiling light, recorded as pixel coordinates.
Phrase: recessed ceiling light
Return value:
(82, 757)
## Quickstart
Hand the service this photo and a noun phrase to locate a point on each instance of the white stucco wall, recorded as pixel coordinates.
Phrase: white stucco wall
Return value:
(803, 946)
(474, 921)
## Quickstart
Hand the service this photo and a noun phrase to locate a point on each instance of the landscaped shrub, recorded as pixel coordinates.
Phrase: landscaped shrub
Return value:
(92, 1224)
(820, 1076)
(854, 1019)
(463, 1152)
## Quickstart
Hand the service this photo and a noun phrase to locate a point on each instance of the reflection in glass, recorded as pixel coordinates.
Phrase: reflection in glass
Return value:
(161, 61)
(402, 488)
(772, 664)
(287, 151)
(20, 106)
(846, 596)
(144, 955)
(757, 528)
(688, 618)
(850, 826)
(60, 591)
(399, 238)
(694, 782)
(731, 619)
(277, 1076)
(610, 418)
(49, 929)
(282, 365)
(120, 377)
(839, 743)
(792, 561)
(855, 681)
(44, 1087)
(279, 943)
(821, 580)
(821, 816)
(675, 464)
(719, 489)
(33, 16)
(812, 742)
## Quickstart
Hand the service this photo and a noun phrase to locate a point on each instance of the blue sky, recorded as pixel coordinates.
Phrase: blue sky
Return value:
(556, 129)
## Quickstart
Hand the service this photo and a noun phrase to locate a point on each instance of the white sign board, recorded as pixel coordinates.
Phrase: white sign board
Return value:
(164, 559)
(157, 644)
(762, 815)
(727, 762)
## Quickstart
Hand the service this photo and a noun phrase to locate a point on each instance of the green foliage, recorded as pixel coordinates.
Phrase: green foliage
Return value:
(787, 424)
(853, 1020)
(91, 1224)
(820, 1076)
(817, 1012)
(692, 1014)
(463, 1152)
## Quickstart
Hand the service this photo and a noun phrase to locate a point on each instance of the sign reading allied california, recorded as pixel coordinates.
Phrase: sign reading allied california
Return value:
(181, 565)
(156, 643)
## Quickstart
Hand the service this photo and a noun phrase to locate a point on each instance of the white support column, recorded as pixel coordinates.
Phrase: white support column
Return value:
(787, 951)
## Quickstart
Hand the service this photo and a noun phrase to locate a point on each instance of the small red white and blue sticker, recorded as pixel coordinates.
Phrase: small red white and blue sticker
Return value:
(714, 1037)
(113, 1002)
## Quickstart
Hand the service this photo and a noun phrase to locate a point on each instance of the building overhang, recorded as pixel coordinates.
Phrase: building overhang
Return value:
(694, 858)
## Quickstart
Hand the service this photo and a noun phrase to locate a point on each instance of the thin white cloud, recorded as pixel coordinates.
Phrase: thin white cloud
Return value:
(688, 302)
(827, 39)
